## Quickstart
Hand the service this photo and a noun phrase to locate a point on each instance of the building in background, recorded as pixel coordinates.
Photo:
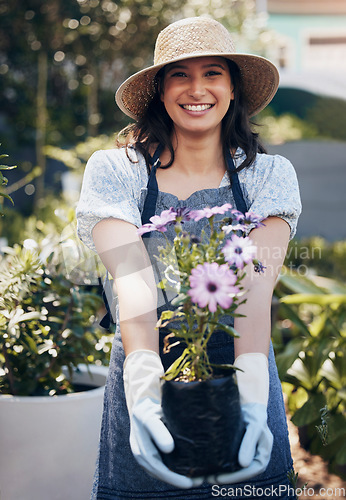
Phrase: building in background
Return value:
(311, 49)
(310, 52)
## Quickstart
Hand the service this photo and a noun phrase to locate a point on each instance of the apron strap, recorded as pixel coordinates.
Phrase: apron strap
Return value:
(153, 190)
(235, 185)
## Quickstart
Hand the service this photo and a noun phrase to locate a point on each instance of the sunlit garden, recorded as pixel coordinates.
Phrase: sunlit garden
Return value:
(60, 64)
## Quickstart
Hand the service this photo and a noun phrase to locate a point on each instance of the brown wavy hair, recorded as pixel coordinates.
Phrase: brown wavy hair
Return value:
(156, 126)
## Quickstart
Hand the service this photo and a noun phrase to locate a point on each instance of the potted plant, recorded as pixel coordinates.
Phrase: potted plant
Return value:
(200, 401)
(51, 385)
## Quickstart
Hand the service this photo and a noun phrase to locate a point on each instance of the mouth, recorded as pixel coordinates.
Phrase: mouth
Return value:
(196, 107)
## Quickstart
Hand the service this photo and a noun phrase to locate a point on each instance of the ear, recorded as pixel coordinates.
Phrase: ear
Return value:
(160, 91)
(159, 88)
(232, 94)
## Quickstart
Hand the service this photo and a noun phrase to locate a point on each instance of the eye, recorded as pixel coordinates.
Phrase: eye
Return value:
(178, 74)
(213, 72)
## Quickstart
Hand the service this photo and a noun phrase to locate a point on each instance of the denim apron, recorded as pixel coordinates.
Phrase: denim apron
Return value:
(118, 476)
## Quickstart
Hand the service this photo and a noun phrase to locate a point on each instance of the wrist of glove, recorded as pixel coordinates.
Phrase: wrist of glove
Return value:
(255, 450)
(142, 383)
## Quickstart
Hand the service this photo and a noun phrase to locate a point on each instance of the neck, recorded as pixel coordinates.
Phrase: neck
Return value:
(196, 155)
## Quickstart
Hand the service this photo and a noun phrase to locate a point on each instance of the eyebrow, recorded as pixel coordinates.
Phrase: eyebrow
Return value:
(174, 66)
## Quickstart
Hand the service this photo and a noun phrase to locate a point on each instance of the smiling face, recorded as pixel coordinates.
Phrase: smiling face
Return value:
(196, 94)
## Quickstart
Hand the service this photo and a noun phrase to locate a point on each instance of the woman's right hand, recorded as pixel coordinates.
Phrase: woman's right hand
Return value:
(148, 434)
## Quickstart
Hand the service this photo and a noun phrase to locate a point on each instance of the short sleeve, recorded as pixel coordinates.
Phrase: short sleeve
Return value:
(275, 191)
(108, 190)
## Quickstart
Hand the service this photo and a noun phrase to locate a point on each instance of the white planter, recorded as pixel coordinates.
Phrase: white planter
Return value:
(48, 445)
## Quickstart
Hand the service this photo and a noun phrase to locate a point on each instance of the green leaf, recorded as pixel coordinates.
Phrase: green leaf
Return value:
(18, 318)
(300, 376)
(290, 314)
(162, 284)
(332, 286)
(285, 359)
(44, 348)
(322, 300)
(225, 366)
(166, 315)
(342, 394)
(7, 197)
(318, 324)
(30, 343)
(226, 328)
(176, 368)
(340, 457)
(7, 167)
(336, 427)
(330, 372)
(300, 284)
(310, 411)
(55, 319)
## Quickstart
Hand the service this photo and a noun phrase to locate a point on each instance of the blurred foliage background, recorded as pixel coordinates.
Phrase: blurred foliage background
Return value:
(60, 64)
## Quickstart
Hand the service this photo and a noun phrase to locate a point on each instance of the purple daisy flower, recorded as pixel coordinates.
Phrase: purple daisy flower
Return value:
(211, 285)
(159, 222)
(239, 251)
(184, 213)
(208, 212)
(251, 218)
(146, 228)
(237, 215)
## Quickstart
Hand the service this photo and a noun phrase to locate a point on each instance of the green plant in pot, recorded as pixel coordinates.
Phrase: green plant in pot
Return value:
(51, 375)
(200, 399)
(47, 325)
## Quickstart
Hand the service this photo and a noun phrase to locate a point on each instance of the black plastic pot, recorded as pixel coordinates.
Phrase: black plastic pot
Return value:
(206, 423)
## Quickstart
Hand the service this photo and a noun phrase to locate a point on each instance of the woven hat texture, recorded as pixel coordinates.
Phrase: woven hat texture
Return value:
(198, 37)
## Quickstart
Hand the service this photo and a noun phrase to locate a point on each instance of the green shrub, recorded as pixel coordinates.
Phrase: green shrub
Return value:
(323, 116)
(312, 364)
(46, 323)
(317, 255)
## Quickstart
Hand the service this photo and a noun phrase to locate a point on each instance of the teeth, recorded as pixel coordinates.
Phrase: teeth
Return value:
(199, 107)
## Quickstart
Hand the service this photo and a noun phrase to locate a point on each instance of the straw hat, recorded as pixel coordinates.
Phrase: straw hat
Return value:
(198, 37)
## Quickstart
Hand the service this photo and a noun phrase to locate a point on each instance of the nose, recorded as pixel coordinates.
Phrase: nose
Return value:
(196, 88)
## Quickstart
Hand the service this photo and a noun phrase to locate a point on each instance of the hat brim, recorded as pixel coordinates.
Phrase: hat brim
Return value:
(260, 79)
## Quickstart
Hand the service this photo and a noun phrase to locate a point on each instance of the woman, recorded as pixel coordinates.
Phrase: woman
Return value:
(192, 146)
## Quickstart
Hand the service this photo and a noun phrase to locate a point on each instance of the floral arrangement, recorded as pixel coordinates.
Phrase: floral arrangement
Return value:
(206, 272)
